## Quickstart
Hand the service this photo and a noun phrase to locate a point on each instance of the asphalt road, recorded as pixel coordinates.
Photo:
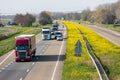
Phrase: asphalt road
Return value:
(108, 34)
(46, 65)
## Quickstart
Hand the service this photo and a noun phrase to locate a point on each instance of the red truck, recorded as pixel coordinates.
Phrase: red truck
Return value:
(25, 47)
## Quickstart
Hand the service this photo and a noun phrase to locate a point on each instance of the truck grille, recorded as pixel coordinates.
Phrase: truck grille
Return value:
(22, 54)
(45, 36)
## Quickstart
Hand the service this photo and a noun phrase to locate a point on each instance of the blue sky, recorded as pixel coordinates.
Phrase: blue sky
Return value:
(36, 6)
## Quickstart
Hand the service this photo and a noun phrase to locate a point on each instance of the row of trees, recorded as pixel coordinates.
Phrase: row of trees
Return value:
(29, 19)
(24, 20)
(106, 14)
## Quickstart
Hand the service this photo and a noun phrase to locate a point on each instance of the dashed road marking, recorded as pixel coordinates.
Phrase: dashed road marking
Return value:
(2, 68)
(6, 58)
(53, 75)
(6, 66)
(9, 64)
(27, 70)
(20, 79)
(33, 63)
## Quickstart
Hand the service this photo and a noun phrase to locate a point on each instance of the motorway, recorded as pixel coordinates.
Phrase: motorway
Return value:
(46, 65)
(108, 34)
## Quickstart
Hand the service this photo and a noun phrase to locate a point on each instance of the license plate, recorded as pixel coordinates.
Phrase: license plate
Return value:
(22, 59)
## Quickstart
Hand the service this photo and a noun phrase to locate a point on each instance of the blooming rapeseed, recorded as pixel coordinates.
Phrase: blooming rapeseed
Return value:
(77, 68)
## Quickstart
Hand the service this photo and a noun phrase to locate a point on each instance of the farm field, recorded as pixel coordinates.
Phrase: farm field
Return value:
(107, 53)
(77, 68)
(110, 26)
(7, 35)
(115, 27)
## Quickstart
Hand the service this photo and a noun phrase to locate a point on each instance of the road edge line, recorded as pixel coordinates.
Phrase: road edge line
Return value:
(6, 57)
(53, 75)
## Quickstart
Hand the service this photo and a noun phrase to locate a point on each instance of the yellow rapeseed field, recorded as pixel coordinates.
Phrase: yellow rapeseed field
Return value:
(77, 68)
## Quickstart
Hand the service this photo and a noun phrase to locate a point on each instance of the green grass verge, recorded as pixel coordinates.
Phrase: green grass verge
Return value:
(110, 26)
(7, 43)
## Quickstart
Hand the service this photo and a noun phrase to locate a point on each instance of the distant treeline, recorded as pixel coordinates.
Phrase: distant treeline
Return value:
(105, 14)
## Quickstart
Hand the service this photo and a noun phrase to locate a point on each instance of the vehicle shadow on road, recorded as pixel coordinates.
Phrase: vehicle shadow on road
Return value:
(42, 58)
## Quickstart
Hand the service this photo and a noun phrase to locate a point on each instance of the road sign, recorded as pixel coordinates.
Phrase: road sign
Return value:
(78, 48)
(78, 44)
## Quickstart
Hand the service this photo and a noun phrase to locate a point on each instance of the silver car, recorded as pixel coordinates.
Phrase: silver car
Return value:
(58, 35)
(60, 38)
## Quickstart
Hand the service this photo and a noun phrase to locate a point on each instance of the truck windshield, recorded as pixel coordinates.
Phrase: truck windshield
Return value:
(55, 26)
(57, 33)
(46, 32)
(22, 47)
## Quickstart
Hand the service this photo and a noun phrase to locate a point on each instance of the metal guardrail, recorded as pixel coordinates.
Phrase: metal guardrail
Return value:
(101, 71)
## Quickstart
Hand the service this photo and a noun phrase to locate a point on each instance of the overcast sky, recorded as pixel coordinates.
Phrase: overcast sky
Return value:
(36, 6)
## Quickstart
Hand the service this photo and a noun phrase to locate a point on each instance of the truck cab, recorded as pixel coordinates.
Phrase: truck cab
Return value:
(46, 34)
(55, 27)
(25, 47)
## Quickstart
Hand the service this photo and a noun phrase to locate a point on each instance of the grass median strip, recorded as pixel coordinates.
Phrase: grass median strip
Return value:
(77, 68)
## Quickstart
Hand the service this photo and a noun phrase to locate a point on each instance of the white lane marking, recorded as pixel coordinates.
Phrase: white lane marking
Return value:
(9, 64)
(33, 63)
(27, 70)
(58, 59)
(12, 62)
(6, 58)
(6, 66)
(21, 79)
(2, 68)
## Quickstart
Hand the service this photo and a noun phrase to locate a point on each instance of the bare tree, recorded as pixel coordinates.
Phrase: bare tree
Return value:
(86, 15)
(45, 18)
(24, 20)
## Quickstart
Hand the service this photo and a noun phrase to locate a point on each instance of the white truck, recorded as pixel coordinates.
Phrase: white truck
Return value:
(46, 34)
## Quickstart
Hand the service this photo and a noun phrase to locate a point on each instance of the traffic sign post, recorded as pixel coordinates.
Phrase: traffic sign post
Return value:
(78, 50)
